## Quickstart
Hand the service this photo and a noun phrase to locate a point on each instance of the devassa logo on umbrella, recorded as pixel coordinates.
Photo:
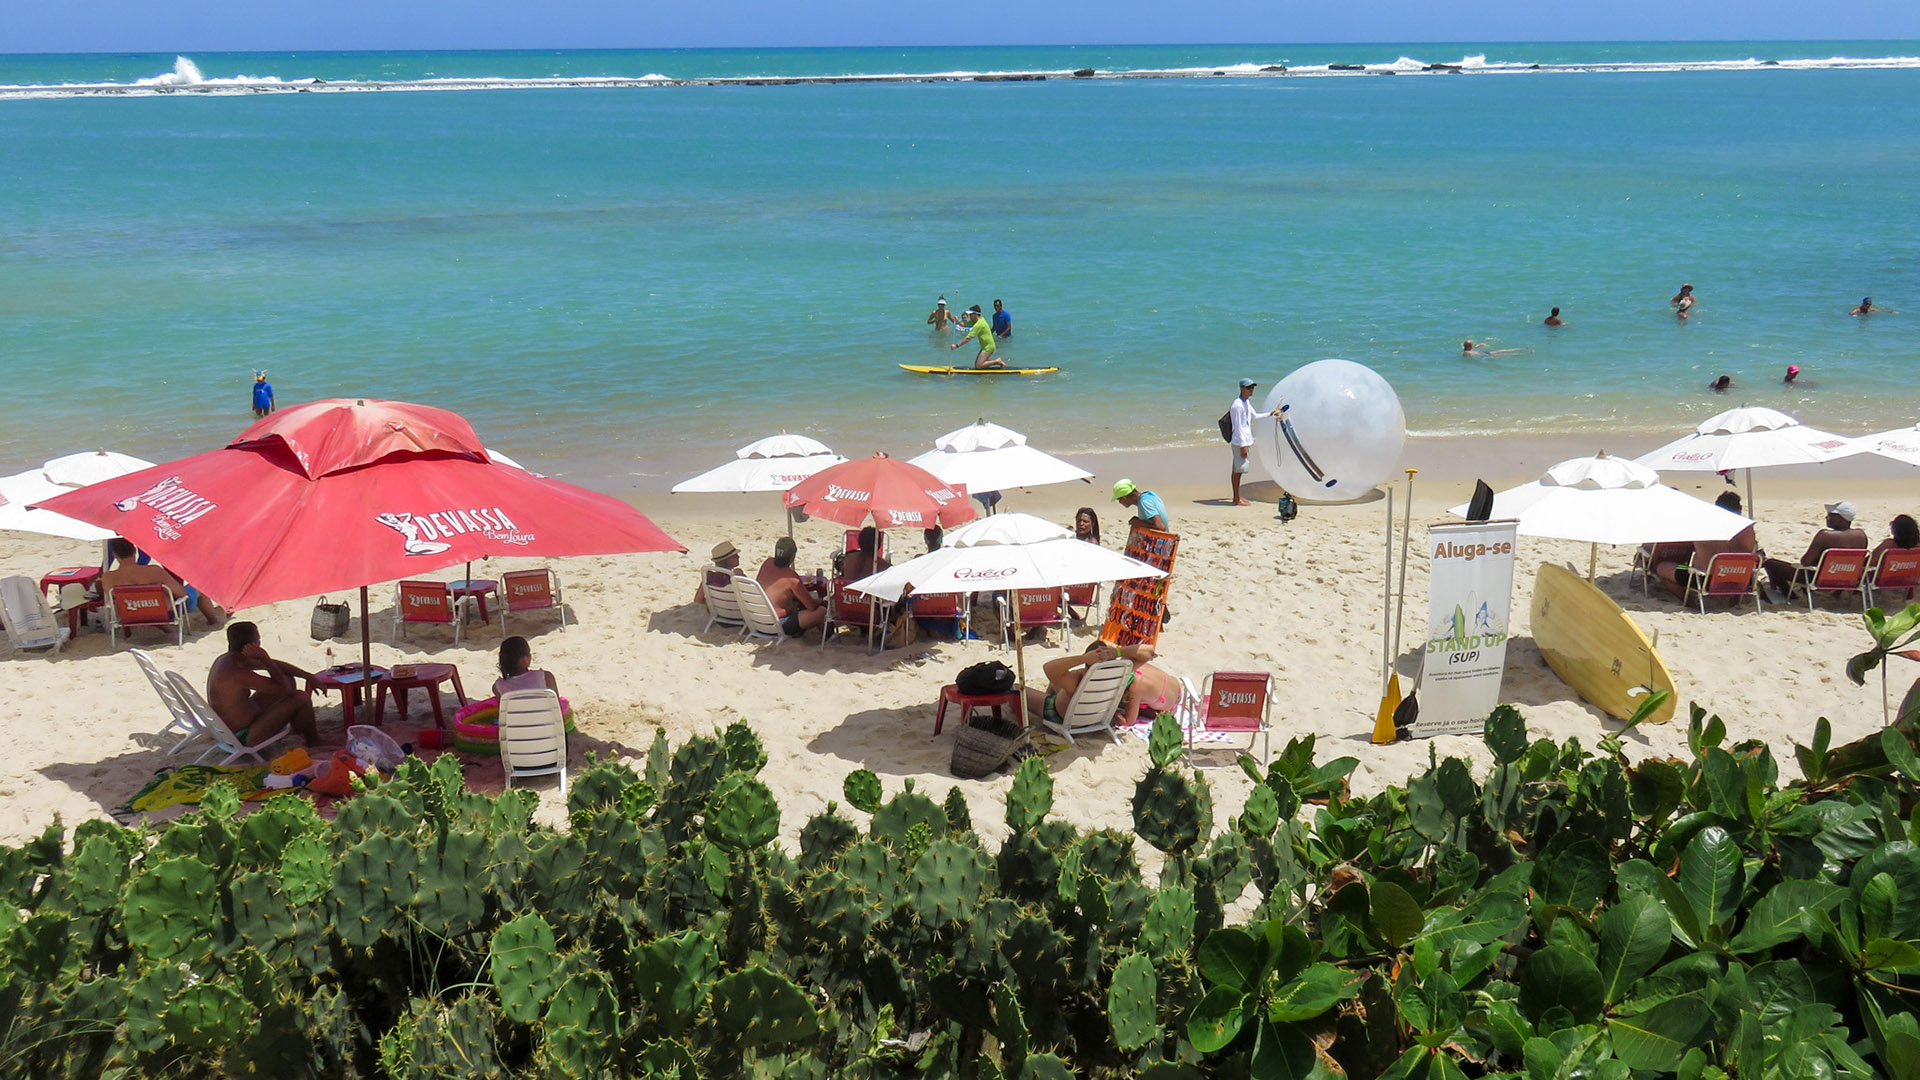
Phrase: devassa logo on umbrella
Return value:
(904, 517)
(173, 504)
(422, 533)
(835, 493)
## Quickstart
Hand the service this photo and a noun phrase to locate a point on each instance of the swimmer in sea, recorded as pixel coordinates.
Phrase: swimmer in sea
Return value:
(1866, 308)
(1721, 385)
(1793, 373)
(941, 319)
(1553, 318)
(1471, 347)
(983, 331)
(1683, 298)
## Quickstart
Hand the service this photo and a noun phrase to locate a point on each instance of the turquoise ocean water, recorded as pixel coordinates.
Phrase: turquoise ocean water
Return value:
(621, 285)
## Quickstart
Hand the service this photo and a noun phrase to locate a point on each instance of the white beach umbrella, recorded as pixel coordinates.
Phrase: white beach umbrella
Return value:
(1900, 444)
(774, 463)
(1749, 437)
(1609, 500)
(22, 490)
(91, 467)
(1007, 552)
(988, 457)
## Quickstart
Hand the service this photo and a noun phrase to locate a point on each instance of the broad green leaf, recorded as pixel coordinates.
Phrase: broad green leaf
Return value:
(1281, 1052)
(1509, 1030)
(1231, 958)
(1900, 753)
(1710, 876)
(1634, 935)
(1575, 876)
(1899, 861)
(1780, 916)
(1560, 976)
(1396, 915)
(1778, 988)
(1318, 989)
(1657, 1039)
(1217, 1019)
(1886, 954)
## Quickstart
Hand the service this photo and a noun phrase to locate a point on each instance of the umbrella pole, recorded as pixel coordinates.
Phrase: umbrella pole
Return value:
(1386, 607)
(1593, 559)
(366, 636)
(1406, 530)
(1020, 657)
(1750, 510)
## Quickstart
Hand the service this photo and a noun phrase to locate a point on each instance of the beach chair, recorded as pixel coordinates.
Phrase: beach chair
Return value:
(1095, 701)
(210, 724)
(180, 718)
(30, 622)
(1842, 570)
(1087, 599)
(1898, 568)
(533, 736)
(429, 602)
(757, 616)
(1236, 703)
(1648, 556)
(1731, 574)
(723, 604)
(956, 607)
(846, 608)
(1040, 608)
(531, 590)
(129, 606)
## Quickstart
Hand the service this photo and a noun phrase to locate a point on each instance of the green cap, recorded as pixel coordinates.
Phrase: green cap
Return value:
(1123, 488)
(785, 546)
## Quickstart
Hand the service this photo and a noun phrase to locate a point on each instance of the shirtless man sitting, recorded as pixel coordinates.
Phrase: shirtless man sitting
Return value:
(255, 694)
(799, 610)
(128, 570)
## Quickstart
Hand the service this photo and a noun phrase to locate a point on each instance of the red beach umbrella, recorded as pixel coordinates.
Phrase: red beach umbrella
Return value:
(341, 494)
(894, 493)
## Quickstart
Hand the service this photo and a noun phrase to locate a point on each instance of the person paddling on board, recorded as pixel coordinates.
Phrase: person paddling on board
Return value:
(983, 331)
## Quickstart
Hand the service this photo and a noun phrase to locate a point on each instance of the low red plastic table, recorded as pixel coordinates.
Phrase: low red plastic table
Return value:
(478, 588)
(426, 677)
(348, 680)
(83, 576)
(970, 702)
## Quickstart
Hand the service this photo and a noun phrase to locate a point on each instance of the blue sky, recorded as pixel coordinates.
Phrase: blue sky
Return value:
(267, 25)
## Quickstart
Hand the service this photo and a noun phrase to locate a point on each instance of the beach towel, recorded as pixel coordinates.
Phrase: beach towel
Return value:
(185, 784)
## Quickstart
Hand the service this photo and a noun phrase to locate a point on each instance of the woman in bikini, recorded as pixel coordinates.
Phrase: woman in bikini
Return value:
(1149, 689)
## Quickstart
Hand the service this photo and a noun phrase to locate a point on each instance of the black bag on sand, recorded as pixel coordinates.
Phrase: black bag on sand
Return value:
(329, 620)
(990, 677)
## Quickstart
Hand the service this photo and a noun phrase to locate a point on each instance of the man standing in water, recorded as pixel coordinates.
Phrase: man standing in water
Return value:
(982, 331)
(1683, 301)
(262, 395)
(1002, 322)
(1240, 417)
(1866, 308)
(1553, 318)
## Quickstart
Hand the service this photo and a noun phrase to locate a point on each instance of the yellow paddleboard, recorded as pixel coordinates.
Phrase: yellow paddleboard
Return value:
(921, 369)
(1594, 647)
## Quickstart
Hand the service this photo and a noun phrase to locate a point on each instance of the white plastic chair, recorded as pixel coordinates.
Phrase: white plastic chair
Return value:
(759, 619)
(224, 740)
(723, 602)
(533, 736)
(1095, 700)
(29, 621)
(181, 717)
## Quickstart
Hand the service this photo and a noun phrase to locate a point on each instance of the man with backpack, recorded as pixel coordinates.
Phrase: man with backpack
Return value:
(1237, 427)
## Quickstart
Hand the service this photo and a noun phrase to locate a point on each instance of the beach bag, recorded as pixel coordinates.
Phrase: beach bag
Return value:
(1226, 425)
(1288, 508)
(983, 745)
(991, 677)
(329, 620)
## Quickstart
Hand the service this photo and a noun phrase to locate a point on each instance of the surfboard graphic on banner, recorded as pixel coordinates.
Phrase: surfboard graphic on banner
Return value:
(1469, 602)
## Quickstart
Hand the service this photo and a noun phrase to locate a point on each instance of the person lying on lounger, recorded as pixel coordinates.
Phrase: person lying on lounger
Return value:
(1150, 688)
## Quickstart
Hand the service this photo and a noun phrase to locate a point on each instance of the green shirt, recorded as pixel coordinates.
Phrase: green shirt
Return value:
(983, 330)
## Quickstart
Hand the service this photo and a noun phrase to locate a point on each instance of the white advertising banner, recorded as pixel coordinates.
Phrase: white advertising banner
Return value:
(1468, 605)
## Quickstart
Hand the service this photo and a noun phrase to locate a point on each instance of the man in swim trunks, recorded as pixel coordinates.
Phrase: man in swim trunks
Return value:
(982, 331)
(941, 319)
(255, 694)
(799, 610)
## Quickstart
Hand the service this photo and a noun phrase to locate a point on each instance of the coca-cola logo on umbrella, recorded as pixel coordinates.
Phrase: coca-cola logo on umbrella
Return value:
(421, 533)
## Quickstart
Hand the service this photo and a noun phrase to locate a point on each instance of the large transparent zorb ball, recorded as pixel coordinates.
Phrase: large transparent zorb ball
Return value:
(1338, 433)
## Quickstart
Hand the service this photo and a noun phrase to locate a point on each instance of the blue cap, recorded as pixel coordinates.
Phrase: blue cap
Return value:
(1244, 383)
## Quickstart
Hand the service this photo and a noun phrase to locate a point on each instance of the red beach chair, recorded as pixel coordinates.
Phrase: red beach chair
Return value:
(943, 606)
(1730, 573)
(1237, 702)
(531, 590)
(425, 602)
(1839, 570)
(1898, 568)
(851, 609)
(1038, 607)
(145, 605)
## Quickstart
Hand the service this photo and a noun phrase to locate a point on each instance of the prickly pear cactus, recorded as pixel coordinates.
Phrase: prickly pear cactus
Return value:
(579, 1027)
(947, 882)
(862, 789)
(763, 1010)
(894, 822)
(373, 886)
(742, 746)
(836, 912)
(673, 976)
(1167, 811)
(959, 818)
(205, 1016)
(743, 814)
(1030, 797)
(168, 909)
(1168, 927)
(823, 838)
(452, 898)
(522, 967)
(599, 785)
(1132, 1001)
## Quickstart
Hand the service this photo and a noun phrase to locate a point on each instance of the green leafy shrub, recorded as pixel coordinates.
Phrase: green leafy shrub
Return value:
(1563, 914)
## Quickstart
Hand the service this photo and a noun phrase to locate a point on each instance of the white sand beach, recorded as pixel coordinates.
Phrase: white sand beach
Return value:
(1302, 600)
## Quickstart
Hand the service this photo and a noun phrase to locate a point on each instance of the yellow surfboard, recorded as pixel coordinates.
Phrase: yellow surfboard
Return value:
(1594, 647)
(922, 369)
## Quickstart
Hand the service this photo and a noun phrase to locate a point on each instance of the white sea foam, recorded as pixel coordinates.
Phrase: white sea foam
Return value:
(187, 76)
